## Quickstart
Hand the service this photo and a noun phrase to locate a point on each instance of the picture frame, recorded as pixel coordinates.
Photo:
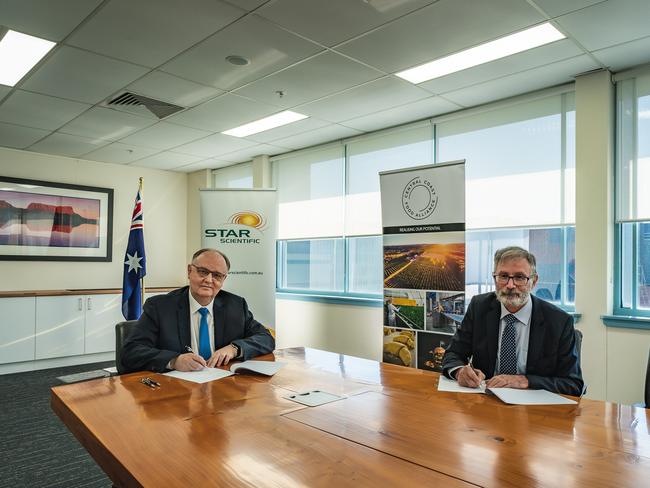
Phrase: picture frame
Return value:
(49, 221)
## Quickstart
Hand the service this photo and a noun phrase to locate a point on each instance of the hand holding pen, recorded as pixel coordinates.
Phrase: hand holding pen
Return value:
(189, 361)
(469, 376)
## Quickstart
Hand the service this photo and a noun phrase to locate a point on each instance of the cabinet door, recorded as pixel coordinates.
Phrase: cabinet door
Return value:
(17, 327)
(102, 313)
(59, 326)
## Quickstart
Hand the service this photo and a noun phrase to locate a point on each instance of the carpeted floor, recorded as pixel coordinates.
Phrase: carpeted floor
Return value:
(36, 449)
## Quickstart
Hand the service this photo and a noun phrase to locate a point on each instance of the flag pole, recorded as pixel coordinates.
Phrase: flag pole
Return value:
(140, 189)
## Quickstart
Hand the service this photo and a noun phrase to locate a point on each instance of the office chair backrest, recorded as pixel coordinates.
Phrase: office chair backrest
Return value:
(121, 332)
(578, 336)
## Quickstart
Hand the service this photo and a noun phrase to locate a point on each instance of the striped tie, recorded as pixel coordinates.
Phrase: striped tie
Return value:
(508, 355)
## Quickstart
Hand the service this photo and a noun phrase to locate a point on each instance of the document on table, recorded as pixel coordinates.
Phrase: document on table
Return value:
(515, 396)
(202, 376)
(445, 384)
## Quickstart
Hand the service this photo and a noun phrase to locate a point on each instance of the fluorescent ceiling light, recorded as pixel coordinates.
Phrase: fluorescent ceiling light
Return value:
(270, 122)
(18, 54)
(499, 48)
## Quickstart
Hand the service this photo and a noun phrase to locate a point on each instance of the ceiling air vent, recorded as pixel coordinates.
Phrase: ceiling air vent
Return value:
(157, 107)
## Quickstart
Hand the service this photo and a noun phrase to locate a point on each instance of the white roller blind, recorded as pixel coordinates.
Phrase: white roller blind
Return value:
(237, 176)
(310, 193)
(514, 163)
(633, 159)
(403, 148)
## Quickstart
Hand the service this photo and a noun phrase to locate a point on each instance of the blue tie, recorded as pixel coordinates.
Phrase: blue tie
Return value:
(204, 334)
(508, 354)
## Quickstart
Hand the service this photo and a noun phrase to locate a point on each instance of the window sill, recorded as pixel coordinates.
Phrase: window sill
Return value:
(330, 299)
(626, 321)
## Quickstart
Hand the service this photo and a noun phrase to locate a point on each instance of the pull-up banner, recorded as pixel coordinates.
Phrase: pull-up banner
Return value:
(423, 218)
(241, 223)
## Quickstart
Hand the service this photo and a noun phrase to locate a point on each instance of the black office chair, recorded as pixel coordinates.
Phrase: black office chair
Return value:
(121, 332)
(578, 336)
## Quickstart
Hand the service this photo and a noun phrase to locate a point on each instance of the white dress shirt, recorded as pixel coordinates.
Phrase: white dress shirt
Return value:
(195, 324)
(522, 334)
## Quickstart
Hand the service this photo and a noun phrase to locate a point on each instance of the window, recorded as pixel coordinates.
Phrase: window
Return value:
(237, 176)
(520, 170)
(633, 199)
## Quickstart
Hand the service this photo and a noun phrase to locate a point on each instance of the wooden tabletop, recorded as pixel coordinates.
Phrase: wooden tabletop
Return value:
(392, 428)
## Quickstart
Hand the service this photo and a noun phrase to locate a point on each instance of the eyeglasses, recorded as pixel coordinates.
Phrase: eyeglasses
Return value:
(504, 278)
(204, 272)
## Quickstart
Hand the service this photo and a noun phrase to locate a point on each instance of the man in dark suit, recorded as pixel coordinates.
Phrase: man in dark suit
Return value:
(513, 339)
(197, 326)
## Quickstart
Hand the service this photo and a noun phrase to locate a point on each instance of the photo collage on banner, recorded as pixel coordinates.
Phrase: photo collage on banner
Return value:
(423, 215)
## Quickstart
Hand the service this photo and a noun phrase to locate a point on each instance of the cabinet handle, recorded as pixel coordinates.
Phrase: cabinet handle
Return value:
(81, 304)
(90, 303)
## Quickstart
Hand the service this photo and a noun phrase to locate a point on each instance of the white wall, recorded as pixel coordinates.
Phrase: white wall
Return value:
(165, 213)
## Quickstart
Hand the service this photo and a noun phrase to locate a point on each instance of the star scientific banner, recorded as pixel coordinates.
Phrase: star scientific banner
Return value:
(242, 224)
(423, 218)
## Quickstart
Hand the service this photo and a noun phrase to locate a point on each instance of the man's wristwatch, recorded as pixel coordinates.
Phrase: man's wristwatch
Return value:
(237, 349)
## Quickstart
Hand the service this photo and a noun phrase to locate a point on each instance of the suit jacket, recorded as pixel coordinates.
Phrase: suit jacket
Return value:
(552, 362)
(163, 331)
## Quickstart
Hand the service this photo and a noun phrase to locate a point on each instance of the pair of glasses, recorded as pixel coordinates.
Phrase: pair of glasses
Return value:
(204, 273)
(503, 279)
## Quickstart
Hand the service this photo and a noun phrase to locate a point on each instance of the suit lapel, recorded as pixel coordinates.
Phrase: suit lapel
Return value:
(183, 317)
(492, 319)
(536, 336)
(218, 313)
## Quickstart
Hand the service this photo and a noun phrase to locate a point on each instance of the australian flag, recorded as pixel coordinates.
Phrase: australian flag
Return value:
(135, 264)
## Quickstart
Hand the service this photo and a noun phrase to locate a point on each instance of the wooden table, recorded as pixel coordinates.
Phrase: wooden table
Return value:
(393, 429)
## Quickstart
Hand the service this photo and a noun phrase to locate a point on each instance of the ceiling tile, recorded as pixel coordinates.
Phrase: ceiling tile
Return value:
(172, 89)
(19, 137)
(66, 145)
(214, 145)
(164, 136)
(250, 152)
(166, 160)
(79, 75)
(319, 136)
(39, 111)
(205, 164)
(410, 112)
(317, 77)
(324, 21)
(363, 100)
(558, 7)
(45, 18)
(149, 32)
(534, 79)
(104, 123)
(119, 153)
(540, 56)
(268, 48)
(223, 113)
(294, 128)
(625, 55)
(443, 28)
(608, 23)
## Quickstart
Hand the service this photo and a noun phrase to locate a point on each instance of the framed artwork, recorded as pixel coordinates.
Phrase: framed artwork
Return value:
(45, 221)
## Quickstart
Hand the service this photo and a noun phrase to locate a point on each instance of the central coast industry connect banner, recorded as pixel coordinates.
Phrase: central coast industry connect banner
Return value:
(423, 218)
(241, 223)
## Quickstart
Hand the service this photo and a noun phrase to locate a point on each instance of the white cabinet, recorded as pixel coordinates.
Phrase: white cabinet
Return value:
(102, 313)
(17, 327)
(59, 326)
(73, 325)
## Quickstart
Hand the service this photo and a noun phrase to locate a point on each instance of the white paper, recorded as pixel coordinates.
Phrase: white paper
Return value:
(268, 368)
(202, 376)
(516, 396)
(445, 384)
(313, 398)
(112, 370)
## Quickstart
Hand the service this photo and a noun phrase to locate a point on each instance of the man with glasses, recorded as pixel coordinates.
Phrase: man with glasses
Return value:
(514, 339)
(196, 326)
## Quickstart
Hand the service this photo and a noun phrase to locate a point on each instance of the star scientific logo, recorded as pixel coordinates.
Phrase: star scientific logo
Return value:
(419, 198)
